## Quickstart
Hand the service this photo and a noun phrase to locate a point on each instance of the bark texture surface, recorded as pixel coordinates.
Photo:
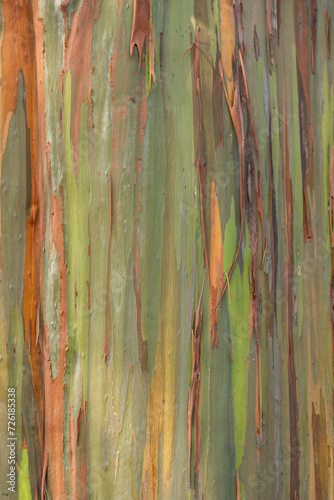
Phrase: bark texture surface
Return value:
(167, 248)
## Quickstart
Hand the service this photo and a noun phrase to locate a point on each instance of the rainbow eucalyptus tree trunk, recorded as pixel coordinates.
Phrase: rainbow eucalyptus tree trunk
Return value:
(166, 249)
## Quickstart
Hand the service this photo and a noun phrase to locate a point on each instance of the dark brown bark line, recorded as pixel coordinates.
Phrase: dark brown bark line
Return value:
(254, 211)
(217, 97)
(289, 324)
(273, 306)
(200, 148)
(314, 20)
(238, 12)
(194, 397)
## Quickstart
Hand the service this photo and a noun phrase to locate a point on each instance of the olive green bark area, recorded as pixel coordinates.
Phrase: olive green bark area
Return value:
(15, 201)
(100, 375)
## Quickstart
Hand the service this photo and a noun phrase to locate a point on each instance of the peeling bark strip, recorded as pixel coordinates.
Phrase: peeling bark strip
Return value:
(139, 26)
(142, 28)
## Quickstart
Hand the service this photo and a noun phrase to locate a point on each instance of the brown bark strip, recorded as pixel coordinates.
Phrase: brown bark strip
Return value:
(270, 35)
(217, 98)
(78, 61)
(307, 217)
(139, 26)
(314, 9)
(106, 349)
(194, 397)
(256, 44)
(201, 167)
(252, 220)
(272, 319)
(321, 451)
(199, 133)
(305, 112)
(45, 466)
(258, 404)
(258, 189)
(238, 11)
(331, 228)
(78, 422)
(289, 322)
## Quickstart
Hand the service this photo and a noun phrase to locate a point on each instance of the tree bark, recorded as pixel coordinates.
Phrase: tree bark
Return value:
(167, 249)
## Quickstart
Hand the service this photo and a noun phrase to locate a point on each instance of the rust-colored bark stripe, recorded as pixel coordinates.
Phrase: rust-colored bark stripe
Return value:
(78, 61)
(289, 280)
(321, 450)
(304, 104)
